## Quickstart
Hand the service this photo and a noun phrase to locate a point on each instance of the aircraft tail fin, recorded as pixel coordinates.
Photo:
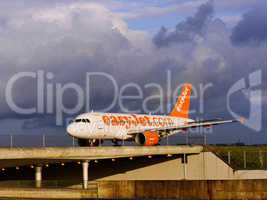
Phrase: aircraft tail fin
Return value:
(182, 106)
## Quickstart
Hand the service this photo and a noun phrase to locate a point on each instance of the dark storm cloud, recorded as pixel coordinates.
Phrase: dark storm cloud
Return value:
(188, 29)
(252, 28)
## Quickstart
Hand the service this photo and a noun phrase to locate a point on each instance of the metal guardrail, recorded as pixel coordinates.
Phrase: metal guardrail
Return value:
(52, 140)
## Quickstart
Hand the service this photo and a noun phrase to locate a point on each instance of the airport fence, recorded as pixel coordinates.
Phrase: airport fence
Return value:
(40, 140)
(242, 157)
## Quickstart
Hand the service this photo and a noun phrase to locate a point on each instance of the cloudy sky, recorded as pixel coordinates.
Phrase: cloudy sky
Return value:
(198, 41)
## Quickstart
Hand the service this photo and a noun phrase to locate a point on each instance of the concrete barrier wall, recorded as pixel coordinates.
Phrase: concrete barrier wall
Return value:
(208, 166)
(227, 189)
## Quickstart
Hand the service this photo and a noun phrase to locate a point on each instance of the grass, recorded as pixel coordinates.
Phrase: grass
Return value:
(255, 156)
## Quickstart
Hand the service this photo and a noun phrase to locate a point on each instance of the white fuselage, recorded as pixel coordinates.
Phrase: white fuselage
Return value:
(119, 126)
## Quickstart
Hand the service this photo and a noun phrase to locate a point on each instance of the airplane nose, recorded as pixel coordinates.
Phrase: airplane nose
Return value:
(71, 130)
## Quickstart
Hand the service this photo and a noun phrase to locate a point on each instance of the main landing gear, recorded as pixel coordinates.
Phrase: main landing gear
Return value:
(89, 143)
(116, 143)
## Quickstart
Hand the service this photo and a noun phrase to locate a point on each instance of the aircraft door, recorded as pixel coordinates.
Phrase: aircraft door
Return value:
(100, 125)
(100, 128)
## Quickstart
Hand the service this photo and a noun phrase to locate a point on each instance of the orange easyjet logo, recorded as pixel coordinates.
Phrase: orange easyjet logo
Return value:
(134, 120)
(182, 99)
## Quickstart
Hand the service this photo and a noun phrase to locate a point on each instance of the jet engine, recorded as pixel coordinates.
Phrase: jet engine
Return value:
(148, 138)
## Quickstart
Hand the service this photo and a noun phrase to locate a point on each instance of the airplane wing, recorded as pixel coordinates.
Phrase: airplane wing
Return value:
(165, 131)
(205, 123)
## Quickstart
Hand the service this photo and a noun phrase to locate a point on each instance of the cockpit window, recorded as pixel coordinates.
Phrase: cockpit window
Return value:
(81, 120)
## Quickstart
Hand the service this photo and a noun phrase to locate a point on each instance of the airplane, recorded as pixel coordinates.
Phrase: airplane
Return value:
(93, 128)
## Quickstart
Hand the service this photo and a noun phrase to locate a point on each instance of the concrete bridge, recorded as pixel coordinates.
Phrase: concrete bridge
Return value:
(37, 157)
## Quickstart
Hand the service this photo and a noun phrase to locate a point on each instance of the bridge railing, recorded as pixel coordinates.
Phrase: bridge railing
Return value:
(50, 140)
